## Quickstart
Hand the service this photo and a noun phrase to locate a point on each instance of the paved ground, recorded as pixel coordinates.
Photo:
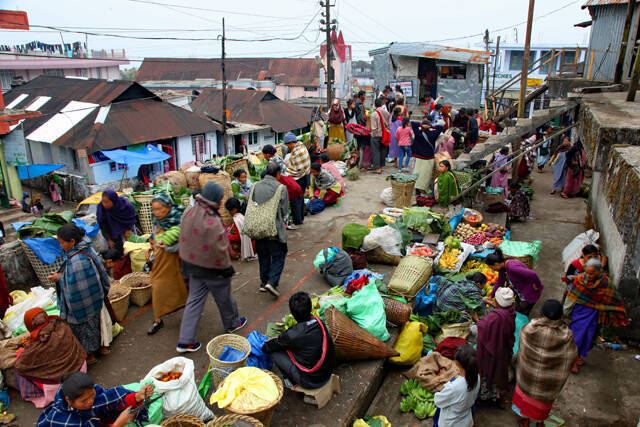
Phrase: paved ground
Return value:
(604, 393)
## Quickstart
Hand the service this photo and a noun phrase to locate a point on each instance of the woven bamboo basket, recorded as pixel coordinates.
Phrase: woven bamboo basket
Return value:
(402, 193)
(351, 342)
(410, 276)
(176, 178)
(144, 212)
(279, 150)
(260, 156)
(397, 312)
(139, 296)
(120, 305)
(265, 415)
(379, 256)
(238, 164)
(335, 151)
(230, 420)
(42, 269)
(193, 179)
(477, 214)
(224, 180)
(526, 260)
(220, 368)
(183, 420)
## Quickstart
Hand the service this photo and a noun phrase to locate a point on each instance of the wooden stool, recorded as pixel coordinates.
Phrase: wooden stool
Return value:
(320, 396)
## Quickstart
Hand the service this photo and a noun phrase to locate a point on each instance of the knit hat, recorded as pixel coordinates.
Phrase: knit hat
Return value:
(552, 309)
(212, 192)
(290, 137)
(504, 297)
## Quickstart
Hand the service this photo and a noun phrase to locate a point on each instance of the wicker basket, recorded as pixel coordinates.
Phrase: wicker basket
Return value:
(410, 276)
(236, 165)
(230, 420)
(279, 150)
(223, 180)
(183, 420)
(144, 212)
(220, 368)
(402, 193)
(526, 260)
(397, 312)
(42, 269)
(139, 296)
(335, 151)
(193, 179)
(265, 415)
(472, 212)
(176, 178)
(351, 342)
(120, 305)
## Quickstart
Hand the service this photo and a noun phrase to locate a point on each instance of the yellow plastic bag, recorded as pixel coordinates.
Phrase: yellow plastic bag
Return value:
(362, 423)
(409, 343)
(137, 252)
(246, 389)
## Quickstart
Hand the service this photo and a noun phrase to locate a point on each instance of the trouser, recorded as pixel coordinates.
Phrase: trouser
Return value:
(297, 210)
(199, 288)
(378, 152)
(304, 183)
(405, 153)
(291, 371)
(271, 257)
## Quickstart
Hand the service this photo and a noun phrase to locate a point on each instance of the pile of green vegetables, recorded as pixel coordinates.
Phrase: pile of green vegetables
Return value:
(423, 220)
(434, 323)
(402, 178)
(417, 399)
(47, 226)
(163, 187)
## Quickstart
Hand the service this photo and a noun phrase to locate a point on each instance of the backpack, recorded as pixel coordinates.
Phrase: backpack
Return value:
(260, 219)
(315, 206)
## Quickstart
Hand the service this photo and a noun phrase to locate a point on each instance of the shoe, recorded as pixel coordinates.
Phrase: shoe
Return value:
(155, 327)
(188, 348)
(272, 289)
(575, 369)
(262, 288)
(292, 227)
(288, 384)
(242, 322)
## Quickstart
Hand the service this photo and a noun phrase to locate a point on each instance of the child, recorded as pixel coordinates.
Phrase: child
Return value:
(239, 244)
(116, 261)
(458, 396)
(446, 184)
(404, 135)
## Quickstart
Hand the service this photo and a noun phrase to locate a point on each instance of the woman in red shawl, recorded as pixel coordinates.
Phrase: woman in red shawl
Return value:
(336, 121)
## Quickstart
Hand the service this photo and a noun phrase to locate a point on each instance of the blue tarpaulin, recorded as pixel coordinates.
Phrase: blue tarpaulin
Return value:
(147, 156)
(47, 249)
(32, 171)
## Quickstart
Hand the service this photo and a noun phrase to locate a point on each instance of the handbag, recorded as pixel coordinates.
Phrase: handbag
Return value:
(386, 135)
(260, 219)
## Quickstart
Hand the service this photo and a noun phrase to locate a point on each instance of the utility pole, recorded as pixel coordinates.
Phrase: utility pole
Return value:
(224, 95)
(633, 84)
(486, 45)
(329, 25)
(617, 77)
(525, 62)
(495, 64)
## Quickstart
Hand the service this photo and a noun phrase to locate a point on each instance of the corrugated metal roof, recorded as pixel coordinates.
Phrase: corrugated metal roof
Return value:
(591, 3)
(253, 107)
(286, 71)
(427, 50)
(59, 124)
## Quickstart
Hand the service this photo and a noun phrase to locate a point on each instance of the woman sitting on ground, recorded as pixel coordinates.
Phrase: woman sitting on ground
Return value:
(50, 352)
(240, 244)
(324, 186)
(241, 185)
(577, 266)
(514, 274)
(519, 208)
(116, 261)
(330, 167)
(81, 403)
(458, 396)
(304, 353)
(447, 184)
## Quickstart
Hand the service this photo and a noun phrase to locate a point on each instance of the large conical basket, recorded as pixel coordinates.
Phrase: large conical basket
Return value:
(402, 193)
(223, 180)
(353, 342)
(397, 312)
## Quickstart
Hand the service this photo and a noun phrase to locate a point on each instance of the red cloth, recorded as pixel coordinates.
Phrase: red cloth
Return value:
(121, 268)
(293, 188)
(5, 298)
(489, 127)
(449, 345)
(358, 258)
(357, 284)
(529, 407)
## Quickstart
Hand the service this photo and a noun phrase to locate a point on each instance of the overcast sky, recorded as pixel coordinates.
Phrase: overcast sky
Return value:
(366, 24)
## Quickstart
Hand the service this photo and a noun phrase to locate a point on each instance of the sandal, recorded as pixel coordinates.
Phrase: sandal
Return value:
(564, 196)
(104, 351)
(91, 360)
(155, 327)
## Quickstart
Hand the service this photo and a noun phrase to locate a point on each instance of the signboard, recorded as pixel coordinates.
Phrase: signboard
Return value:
(534, 82)
(15, 148)
(407, 87)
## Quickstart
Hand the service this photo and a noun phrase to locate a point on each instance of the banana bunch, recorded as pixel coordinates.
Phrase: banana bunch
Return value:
(449, 258)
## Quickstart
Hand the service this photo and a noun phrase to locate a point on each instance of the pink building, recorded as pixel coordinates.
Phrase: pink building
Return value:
(341, 66)
(28, 61)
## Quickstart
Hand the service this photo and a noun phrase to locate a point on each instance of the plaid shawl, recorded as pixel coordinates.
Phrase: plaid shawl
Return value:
(106, 407)
(448, 295)
(174, 216)
(83, 284)
(601, 295)
(546, 354)
(299, 163)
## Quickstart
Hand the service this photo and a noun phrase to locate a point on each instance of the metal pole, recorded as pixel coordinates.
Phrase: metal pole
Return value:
(224, 95)
(617, 77)
(486, 46)
(525, 61)
(495, 64)
(633, 84)
(327, 7)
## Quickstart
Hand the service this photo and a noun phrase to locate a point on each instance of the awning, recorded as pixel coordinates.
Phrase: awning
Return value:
(427, 50)
(147, 156)
(33, 171)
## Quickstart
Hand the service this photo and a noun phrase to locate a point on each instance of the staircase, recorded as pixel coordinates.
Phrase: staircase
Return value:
(7, 216)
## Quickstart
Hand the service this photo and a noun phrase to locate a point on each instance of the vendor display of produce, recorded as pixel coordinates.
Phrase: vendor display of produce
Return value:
(449, 258)
(417, 399)
(170, 376)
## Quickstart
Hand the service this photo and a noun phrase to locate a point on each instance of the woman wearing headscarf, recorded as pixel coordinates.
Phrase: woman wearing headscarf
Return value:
(116, 215)
(204, 252)
(336, 121)
(241, 184)
(575, 160)
(527, 160)
(500, 163)
(316, 122)
(51, 350)
(81, 287)
(324, 186)
(169, 293)
(595, 301)
(514, 274)
(330, 167)
(546, 353)
(495, 348)
(559, 160)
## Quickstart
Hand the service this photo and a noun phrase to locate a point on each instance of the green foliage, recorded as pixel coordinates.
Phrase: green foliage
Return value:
(416, 399)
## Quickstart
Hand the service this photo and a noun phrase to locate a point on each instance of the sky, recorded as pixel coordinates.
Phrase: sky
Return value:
(366, 24)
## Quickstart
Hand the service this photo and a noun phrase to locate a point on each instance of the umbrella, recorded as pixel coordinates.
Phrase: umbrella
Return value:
(94, 199)
(357, 129)
(33, 171)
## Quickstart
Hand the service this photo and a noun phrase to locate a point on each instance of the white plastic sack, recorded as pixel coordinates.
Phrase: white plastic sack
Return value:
(466, 251)
(341, 166)
(385, 237)
(387, 196)
(39, 297)
(181, 395)
(574, 249)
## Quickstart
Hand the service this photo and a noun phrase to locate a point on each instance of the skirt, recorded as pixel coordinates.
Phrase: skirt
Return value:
(168, 290)
(573, 182)
(528, 407)
(88, 333)
(501, 179)
(424, 168)
(559, 172)
(584, 324)
(337, 131)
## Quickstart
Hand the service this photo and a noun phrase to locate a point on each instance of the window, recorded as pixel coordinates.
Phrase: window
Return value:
(252, 138)
(569, 57)
(310, 89)
(515, 60)
(198, 147)
(58, 72)
(6, 76)
(456, 72)
(82, 72)
(549, 67)
(99, 72)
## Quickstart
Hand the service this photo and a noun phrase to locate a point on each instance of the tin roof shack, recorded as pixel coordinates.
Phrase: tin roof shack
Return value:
(454, 73)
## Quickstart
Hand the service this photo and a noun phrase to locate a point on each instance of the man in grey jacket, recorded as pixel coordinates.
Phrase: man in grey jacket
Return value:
(272, 251)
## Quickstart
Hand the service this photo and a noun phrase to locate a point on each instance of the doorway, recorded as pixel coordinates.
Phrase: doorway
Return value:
(428, 77)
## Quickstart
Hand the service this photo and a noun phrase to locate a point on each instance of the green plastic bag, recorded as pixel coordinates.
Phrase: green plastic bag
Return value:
(205, 384)
(339, 304)
(155, 409)
(353, 235)
(509, 247)
(366, 308)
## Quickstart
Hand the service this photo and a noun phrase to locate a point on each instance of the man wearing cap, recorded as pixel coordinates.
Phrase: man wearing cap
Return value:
(298, 162)
(424, 149)
(495, 348)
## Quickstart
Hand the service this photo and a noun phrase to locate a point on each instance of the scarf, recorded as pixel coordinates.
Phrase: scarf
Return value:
(174, 216)
(336, 117)
(120, 218)
(601, 295)
(243, 188)
(315, 114)
(546, 353)
(324, 180)
(495, 345)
